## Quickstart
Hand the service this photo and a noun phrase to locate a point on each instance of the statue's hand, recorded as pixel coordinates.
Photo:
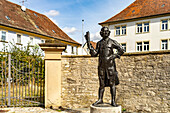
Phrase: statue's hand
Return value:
(87, 36)
(116, 56)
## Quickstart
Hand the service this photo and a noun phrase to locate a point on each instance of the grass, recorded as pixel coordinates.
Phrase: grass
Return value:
(22, 95)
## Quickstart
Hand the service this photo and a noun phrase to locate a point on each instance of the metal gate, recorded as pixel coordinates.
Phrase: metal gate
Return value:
(21, 81)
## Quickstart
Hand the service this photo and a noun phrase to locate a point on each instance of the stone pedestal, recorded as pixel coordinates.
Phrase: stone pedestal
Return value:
(52, 73)
(105, 109)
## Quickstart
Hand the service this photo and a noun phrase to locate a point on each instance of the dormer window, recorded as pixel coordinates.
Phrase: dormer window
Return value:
(35, 14)
(37, 26)
(7, 17)
(53, 31)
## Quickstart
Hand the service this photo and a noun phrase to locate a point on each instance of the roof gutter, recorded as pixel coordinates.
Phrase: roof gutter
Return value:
(38, 33)
(119, 21)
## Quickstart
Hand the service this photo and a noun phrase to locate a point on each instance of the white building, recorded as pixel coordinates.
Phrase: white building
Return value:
(142, 26)
(21, 27)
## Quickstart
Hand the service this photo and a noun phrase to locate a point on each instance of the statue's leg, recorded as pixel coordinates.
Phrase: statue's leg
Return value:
(101, 91)
(113, 95)
(100, 99)
(113, 88)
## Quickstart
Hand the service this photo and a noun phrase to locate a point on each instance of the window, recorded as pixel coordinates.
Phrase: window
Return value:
(142, 27)
(164, 25)
(31, 40)
(72, 50)
(139, 46)
(7, 17)
(123, 30)
(117, 30)
(42, 41)
(3, 37)
(120, 30)
(139, 28)
(146, 27)
(124, 47)
(164, 44)
(146, 46)
(19, 38)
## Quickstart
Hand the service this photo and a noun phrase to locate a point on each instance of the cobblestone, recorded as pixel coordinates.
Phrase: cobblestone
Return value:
(42, 110)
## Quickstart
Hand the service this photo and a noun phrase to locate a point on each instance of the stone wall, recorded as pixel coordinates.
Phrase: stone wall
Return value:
(144, 82)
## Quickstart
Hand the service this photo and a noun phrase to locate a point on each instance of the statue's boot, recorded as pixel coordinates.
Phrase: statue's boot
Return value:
(100, 100)
(113, 103)
(113, 95)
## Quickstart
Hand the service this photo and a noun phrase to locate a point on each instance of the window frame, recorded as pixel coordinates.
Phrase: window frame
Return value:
(42, 41)
(72, 50)
(20, 38)
(166, 44)
(139, 48)
(122, 31)
(143, 27)
(164, 26)
(2, 35)
(147, 46)
(31, 42)
(146, 26)
(137, 27)
(125, 50)
(117, 30)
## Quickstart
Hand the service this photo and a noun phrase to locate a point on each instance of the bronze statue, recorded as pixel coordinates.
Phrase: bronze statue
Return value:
(108, 75)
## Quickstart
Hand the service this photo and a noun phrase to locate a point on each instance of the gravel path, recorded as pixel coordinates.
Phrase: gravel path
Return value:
(41, 110)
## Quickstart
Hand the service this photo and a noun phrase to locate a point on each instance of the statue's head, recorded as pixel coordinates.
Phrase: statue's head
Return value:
(105, 32)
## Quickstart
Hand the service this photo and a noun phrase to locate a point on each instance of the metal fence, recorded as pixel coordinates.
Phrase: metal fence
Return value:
(21, 81)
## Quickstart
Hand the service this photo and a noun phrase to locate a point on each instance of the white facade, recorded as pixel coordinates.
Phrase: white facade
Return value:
(13, 38)
(157, 35)
(7, 36)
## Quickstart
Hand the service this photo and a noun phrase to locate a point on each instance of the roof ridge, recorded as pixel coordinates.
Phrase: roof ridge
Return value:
(39, 23)
(140, 9)
(26, 7)
(120, 12)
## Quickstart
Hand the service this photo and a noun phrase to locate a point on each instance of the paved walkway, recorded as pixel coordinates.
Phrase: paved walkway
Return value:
(42, 110)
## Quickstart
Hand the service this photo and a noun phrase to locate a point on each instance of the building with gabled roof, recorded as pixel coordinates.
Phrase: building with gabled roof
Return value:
(25, 26)
(143, 26)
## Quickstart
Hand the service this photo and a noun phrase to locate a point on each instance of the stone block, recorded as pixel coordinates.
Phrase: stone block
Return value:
(105, 109)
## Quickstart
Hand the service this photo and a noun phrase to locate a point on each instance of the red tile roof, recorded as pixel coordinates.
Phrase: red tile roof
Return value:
(141, 8)
(93, 44)
(30, 21)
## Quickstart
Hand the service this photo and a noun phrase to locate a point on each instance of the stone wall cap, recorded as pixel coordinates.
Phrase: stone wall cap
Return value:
(52, 45)
(125, 54)
(147, 52)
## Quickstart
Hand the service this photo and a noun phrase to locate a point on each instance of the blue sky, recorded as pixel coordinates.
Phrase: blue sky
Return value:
(68, 14)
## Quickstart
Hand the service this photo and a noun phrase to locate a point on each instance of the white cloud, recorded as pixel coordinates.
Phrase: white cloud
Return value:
(54, 21)
(52, 13)
(95, 37)
(71, 30)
